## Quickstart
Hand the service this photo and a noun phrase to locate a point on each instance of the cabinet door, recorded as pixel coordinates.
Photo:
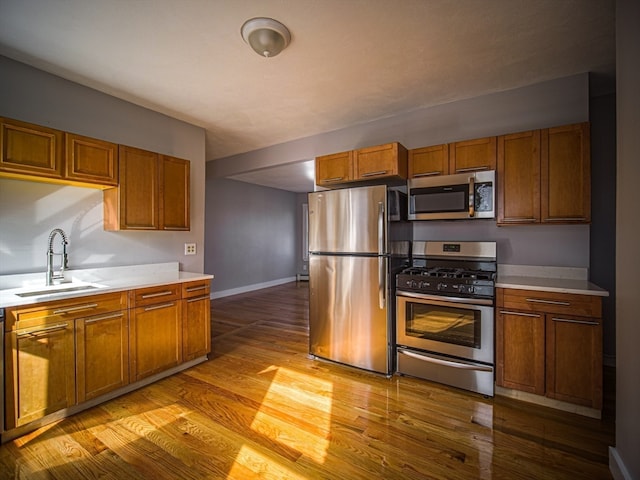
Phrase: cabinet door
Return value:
(174, 193)
(520, 351)
(574, 360)
(27, 149)
(472, 155)
(196, 327)
(134, 204)
(334, 169)
(429, 161)
(566, 174)
(40, 371)
(518, 176)
(196, 319)
(389, 160)
(155, 339)
(102, 354)
(90, 160)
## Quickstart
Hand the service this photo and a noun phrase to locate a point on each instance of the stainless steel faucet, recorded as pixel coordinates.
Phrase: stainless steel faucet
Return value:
(50, 253)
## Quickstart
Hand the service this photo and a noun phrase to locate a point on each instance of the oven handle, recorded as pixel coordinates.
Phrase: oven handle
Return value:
(446, 363)
(438, 298)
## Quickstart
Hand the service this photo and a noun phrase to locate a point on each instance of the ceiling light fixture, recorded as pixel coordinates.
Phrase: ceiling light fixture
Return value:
(266, 36)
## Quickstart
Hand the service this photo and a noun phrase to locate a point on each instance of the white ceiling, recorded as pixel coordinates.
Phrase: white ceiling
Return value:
(349, 61)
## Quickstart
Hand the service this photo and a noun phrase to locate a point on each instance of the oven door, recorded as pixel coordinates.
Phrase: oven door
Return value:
(444, 325)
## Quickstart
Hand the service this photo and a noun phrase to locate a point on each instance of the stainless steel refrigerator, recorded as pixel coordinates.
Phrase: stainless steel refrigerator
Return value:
(358, 241)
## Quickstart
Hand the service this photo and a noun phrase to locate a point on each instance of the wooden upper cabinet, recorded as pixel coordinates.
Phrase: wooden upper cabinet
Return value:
(388, 160)
(429, 161)
(30, 150)
(153, 193)
(472, 155)
(133, 205)
(518, 193)
(334, 169)
(566, 174)
(90, 160)
(174, 201)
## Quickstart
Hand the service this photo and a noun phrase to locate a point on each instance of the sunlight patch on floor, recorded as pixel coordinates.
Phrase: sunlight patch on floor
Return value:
(295, 392)
(265, 467)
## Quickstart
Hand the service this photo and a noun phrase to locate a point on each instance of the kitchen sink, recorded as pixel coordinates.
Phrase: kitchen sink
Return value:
(54, 290)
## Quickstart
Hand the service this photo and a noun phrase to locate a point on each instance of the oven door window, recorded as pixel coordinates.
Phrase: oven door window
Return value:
(452, 325)
(454, 198)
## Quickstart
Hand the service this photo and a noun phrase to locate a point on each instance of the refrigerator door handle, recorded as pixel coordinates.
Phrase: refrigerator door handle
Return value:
(382, 277)
(382, 282)
(380, 228)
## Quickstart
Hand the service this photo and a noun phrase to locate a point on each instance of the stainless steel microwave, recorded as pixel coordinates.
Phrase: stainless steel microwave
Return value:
(450, 197)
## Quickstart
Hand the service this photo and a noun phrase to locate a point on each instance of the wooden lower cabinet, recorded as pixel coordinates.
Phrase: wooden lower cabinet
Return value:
(40, 371)
(550, 344)
(102, 354)
(156, 339)
(61, 354)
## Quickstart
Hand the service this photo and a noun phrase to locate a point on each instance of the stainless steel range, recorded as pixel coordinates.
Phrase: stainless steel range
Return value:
(445, 314)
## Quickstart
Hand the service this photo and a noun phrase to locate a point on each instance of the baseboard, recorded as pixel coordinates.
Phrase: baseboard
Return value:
(548, 402)
(617, 467)
(302, 277)
(251, 288)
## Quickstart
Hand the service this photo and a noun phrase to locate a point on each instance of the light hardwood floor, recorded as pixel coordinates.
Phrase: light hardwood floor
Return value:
(261, 408)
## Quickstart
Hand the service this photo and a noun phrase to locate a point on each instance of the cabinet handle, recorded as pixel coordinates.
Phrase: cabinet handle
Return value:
(373, 174)
(550, 302)
(42, 331)
(334, 179)
(470, 169)
(157, 307)
(582, 322)
(427, 174)
(159, 294)
(195, 289)
(520, 314)
(103, 317)
(74, 309)
(197, 298)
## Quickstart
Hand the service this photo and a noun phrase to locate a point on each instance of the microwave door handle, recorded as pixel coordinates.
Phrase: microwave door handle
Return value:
(472, 191)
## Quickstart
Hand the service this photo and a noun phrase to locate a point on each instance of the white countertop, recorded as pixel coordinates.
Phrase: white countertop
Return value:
(97, 281)
(548, 279)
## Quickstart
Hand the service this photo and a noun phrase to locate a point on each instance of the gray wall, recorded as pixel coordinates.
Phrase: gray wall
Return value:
(627, 446)
(557, 102)
(250, 237)
(602, 256)
(30, 210)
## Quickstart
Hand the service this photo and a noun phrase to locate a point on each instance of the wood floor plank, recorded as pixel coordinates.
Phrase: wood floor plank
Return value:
(262, 408)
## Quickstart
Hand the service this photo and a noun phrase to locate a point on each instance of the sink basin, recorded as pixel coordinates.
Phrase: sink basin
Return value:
(53, 290)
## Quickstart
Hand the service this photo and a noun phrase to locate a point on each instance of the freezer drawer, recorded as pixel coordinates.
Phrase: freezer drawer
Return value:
(348, 311)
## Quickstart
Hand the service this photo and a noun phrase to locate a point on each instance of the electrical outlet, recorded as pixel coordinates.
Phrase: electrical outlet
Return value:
(189, 248)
